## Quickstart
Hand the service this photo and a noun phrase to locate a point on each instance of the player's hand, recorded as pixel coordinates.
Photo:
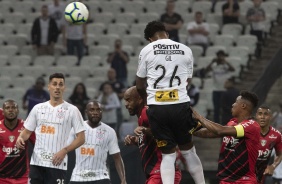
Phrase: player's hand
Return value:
(20, 143)
(59, 157)
(139, 130)
(196, 115)
(269, 170)
(129, 140)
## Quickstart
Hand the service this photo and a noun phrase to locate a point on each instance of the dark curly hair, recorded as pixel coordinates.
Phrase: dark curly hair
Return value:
(250, 96)
(152, 28)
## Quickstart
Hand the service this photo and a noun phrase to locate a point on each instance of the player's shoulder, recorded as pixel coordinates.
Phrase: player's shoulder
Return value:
(68, 106)
(107, 127)
(42, 105)
(274, 131)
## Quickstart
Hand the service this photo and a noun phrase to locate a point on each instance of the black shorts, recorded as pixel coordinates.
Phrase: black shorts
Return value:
(170, 124)
(46, 175)
(104, 181)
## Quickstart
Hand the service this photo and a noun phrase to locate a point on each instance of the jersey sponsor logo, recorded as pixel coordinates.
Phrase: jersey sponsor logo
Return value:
(9, 150)
(168, 58)
(167, 96)
(87, 174)
(47, 129)
(2, 131)
(263, 153)
(141, 140)
(11, 138)
(46, 156)
(272, 136)
(164, 46)
(263, 142)
(169, 52)
(87, 151)
(230, 141)
(161, 143)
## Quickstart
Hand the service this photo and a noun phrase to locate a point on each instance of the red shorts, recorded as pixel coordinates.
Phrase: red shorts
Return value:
(156, 178)
(238, 182)
(14, 180)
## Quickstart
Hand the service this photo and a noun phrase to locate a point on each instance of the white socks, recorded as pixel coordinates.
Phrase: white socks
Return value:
(168, 168)
(194, 165)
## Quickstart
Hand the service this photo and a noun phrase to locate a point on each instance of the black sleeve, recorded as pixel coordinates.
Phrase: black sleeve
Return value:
(224, 7)
(55, 30)
(34, 31)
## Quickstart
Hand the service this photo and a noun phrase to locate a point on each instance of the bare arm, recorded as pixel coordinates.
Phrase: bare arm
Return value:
(24, 136)
(78, 141)
(141, 85)
(205, 133)
(120, 167)
(111, 57)
(174, 26)
(124, 57)
(270, 168)
(215, 128)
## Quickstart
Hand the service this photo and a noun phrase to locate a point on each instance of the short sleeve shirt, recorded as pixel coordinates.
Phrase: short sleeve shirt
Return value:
(167, 65)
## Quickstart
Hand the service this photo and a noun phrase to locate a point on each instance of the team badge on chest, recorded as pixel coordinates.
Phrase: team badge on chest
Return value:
(100, 134)
(60, 113)
(263, 142)
(11, 138)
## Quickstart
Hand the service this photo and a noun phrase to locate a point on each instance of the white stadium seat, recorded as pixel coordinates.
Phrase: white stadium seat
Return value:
(212, 50)
(34, 71)
(9, 50)
(127, 17)
(67, 61)
(117, 28)
(22, 60)
(232, 29)
(44, 60)
(249, 41)
(133, 6)
(224, 40)
(90, 61)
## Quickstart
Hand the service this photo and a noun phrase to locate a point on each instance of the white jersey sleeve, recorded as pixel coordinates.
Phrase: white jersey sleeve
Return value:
(71, 137)
(113, 144)
(31, 122)
(77, 121)
(142, 65)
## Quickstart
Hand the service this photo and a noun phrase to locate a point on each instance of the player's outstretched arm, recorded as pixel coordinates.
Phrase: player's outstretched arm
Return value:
(120, 167)
(205, 133)
(270, 168)
(78, 141)
(25, 134)
(215, 128)
(130, 140)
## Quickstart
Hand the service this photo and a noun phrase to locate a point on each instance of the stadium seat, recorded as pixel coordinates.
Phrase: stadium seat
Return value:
(202, 6)
(96, 28)
(27, 50)
(201, 106)
(91, 61)
(3, 39)
(111, 6)
(56, 69)
(132, 39)
(11, 71)
(100, 50)
(24, 7)
(71, 82)
(138, 29)
(242, 52)
(92, 92)
(34, 71)
(91, 39)
(94, 82)
(249, 41)
(7, 28)
(218, 7)
(271, 8)
(82, 71)
(23, 82)
(203, 62)
(134, 6)
(133, 62)
(232, 29)
(68, 92)
(182, 7)
(279, 3)
(212, 50)
(214, 28)
(197, 52)
(105, 18)
(24, 29)
(30, 18)
(44, 60)
(128, 49)
(93, 6)
(144, 18)
(19, 40)
(22, 60)
(244, 7)
(108, 39)
(3, 60)
(224, 40)
(15, 93)
(67, 61)
(9, 50)
(98, 72)
(156, 6)
(127, 18)
(15, 18)
(214, 18)
(183, 38)
(117, 28)
(5, 82)
(5, 7)
(236, 63)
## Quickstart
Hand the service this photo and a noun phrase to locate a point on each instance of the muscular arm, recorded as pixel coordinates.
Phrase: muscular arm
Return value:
(25, 134)
(270, 168)
(141, 85)
(205, 133)
(120, 167)
(78, 141)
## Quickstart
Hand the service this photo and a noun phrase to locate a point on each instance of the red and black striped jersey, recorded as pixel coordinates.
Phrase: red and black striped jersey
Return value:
(266, 143)
(238, 156)
(14, 163)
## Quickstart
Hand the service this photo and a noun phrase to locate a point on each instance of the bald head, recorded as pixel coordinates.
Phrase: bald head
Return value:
(132, 92)
(133, 101)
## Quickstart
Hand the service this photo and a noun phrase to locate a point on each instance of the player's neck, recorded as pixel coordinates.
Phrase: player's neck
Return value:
(56, 102)
(93, 125)
(264, 130)
(140, 111)
(11, 124)
(244, 117)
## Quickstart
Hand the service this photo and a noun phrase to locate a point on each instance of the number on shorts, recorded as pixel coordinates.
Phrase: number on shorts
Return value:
(163, 74)
(60, 181)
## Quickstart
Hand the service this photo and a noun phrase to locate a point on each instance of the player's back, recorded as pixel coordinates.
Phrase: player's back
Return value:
(168, 66)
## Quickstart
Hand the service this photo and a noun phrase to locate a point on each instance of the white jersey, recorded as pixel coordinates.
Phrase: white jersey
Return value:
(92, 155)
(167, 65)
(52, 126)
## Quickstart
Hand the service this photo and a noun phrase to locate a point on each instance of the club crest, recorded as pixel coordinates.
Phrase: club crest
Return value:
(100, 134)
(263, 142)
(12, 138)
(61, 113)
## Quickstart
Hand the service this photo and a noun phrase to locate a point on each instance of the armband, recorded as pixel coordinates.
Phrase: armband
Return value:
(239, 130)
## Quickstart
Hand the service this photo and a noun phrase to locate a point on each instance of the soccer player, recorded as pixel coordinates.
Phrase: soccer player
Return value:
(240, 143)
(52, 122)
(151, 155)
(269, 138)
(14, 163)
(166, 66)
(1, 114)
(90, 166)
